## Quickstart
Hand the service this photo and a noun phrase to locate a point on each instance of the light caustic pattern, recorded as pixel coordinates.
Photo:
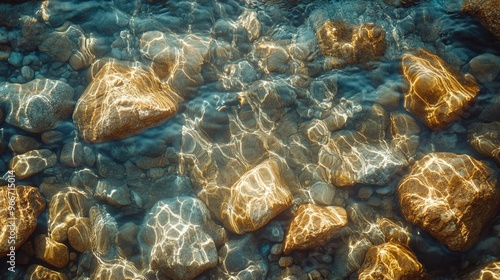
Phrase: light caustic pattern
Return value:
(32, 162)
(436, 94)
(485, 138)
(491, 271)
(121, 101)
(450, 196)
(391, 261)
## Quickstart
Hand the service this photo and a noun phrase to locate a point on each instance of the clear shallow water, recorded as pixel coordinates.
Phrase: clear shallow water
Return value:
(256, 87)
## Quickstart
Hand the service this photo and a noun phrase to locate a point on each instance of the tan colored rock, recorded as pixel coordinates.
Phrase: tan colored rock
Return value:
(490, 271)
(51, 252)
(436, 95)
(32, 162)
(450, 196)
(487, 12)
(28, 203)
(117, 269)
(122, 100)
(38, 272)
(65, 208)
(391, 261)
(485, 138)
(79, 235)
(312, 226)
(405, 133)
(351, 44)
(256, 198)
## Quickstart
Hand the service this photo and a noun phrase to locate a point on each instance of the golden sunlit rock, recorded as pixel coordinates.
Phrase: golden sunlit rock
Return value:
(312, 226)
(436, 95)
(51, 252)
(391, 261)
(405, 133)
(490, 271)
(485, 138)
(352, 44)
(39, 272)
(122, 100)
(28, 203)
(32, 162)
(487, 12)
(258, 196)
(450, 196)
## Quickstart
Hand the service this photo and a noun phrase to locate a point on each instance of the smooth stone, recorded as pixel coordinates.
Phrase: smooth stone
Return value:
(51, 252)
(122, 100)
(485, 67)
(79, 235)
(115, 195)
(58, 46)
(126, 239)
(28, 204)
(15, 59)
(485, 139)
(285, 261)
(322, 193)
(312, 226)
(405, 133)
(39, 105)
(36, 271)
(27, 73)
(391, 261)
(21, 144)
(108, 168)
(52, 137)
(177, 238)
(72, 154)
(32, 162)
(277, 249)
(436, 94)
(365, 192)
(452, 197)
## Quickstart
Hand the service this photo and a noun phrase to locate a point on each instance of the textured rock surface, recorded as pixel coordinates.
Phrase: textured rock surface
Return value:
(36, 271)
(391, 261)
(178, 238)
(122, 100)
(312, 226)
(487, 12)
(39, 105)
(485, 138)
(28, 204)
(450, 196)
(485, 67)
(485, 272)
(79, 235)
(51, 252)
(258, 196)
(32, 162)
(436, 95)
(353, 44)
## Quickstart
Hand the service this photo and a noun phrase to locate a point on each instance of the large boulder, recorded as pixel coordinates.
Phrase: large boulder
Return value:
(485, 138)
(21, 220)
(178, 238)
(312, 226)
(257, 197)
(391, 261)
(450, 196)
(39, 105)
(436, 94)
(487, 12)
(123, 99)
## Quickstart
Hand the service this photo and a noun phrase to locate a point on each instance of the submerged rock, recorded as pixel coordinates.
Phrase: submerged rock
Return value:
(256, 198)
(21, 144)
(122, 100)
(51, 252)
(485, 67)
(36, 271)
(436, 95)
(178, 238)
(485, 138)
(312, 226)
(485, 272)
(32, 162)
(359, 44)
(39, 105)
(28, 204)
(391, 261)
(487, 12)
(450, 196)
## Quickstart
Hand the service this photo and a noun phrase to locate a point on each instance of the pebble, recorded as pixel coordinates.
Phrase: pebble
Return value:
(27, 73)
(365, 192)
(15, 59)
(285, 261)
(51, 252)
(72, 154)
(277, 249)
(52, 137)
(315, 275)
(374, 201)
(21, 144)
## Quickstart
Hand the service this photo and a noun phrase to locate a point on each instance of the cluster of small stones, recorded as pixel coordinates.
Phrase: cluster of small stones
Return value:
(277, 175)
